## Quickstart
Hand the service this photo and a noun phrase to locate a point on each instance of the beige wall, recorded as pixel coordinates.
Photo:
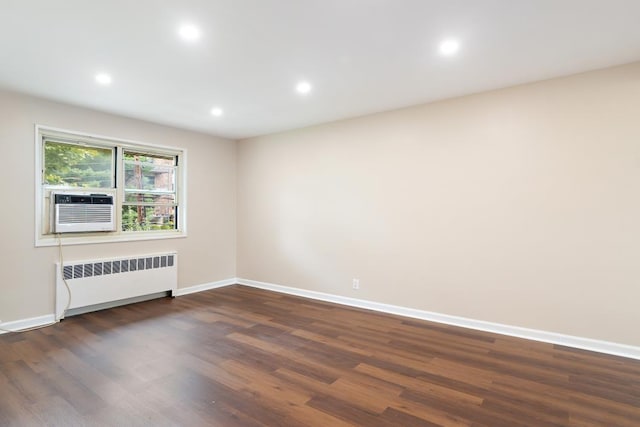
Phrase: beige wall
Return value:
(519, 206)
(27, 281)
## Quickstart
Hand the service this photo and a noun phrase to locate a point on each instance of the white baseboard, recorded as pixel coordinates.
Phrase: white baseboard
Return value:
(599, 346)
(33, 322)
(514, 331)
(17, 325)
(204, 287)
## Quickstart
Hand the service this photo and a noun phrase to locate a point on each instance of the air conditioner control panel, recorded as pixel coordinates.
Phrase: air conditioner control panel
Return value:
(90, 199)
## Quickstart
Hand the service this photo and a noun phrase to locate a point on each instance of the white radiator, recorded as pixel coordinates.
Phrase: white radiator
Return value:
(94, 282)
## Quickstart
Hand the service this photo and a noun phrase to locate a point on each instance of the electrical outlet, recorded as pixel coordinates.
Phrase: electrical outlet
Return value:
(356, 283)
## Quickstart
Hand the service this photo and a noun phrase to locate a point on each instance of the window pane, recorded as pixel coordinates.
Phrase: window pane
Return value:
(78, 165)
(149, 172)
(145, 218)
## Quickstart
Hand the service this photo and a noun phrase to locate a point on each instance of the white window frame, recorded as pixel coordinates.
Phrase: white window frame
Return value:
(42, 191)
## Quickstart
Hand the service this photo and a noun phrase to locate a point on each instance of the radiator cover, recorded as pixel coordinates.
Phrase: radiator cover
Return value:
(94, 282)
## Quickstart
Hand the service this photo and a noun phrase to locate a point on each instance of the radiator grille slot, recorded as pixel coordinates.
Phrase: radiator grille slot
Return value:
(78, 271)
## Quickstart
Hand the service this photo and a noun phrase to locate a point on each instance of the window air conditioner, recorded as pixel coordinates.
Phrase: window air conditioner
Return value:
(76, 213)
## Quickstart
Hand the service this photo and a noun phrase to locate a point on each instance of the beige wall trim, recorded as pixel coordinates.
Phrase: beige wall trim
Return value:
(33, 322)
(514, 331)
(204, 287)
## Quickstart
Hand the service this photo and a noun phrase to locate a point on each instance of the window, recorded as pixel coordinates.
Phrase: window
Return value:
(149, 192)
(145, 181)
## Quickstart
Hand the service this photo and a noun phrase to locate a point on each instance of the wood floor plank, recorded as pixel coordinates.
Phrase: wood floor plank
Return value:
(417, 384)
(239, 356)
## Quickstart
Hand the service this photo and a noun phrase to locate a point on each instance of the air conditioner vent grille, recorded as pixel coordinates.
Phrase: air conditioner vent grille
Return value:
(80, 214)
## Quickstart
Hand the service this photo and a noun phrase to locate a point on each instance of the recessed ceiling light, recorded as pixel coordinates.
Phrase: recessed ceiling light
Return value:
(189, 32)
(449, 47)
(103, 78)
(216, 111)
(303, 88)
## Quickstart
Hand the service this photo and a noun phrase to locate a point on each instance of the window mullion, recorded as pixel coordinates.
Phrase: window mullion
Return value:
(120, 186)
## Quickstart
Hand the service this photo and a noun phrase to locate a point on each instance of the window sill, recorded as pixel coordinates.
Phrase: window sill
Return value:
(90, 239)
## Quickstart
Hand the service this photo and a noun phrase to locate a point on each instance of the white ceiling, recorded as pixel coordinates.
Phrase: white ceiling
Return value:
(361, 56)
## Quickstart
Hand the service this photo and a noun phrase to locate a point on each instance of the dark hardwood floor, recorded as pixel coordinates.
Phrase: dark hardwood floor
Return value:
(238, 356)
